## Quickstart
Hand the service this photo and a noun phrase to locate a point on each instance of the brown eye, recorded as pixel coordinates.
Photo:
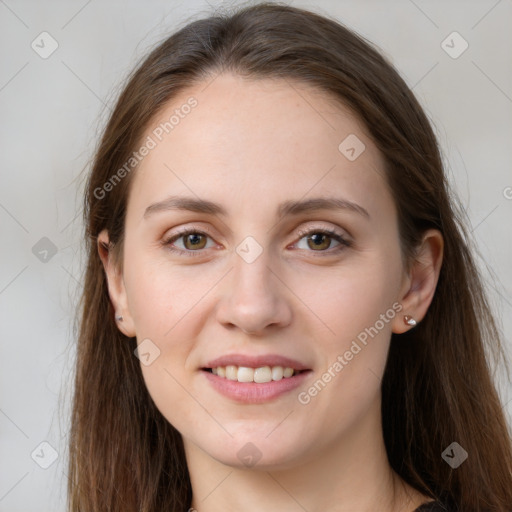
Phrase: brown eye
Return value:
(319, 241)
(189, 242)
(193, 241)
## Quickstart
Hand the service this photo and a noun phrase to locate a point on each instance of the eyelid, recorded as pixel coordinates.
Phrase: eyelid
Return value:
(181, 232)
(337, 235)
(343, 240)
(302, 232)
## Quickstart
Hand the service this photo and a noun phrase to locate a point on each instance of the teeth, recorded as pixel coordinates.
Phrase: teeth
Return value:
(259, 375)
(231, 372)
(288, 372)
(263, 374)
(245, 374)
(277, 373)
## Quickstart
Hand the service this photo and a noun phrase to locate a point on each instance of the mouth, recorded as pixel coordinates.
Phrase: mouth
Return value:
(253, 380)
(260, 375)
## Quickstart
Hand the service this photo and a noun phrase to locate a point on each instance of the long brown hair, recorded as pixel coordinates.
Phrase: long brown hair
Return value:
(437, 386)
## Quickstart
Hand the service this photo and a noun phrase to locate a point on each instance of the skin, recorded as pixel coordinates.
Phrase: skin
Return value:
(250, 145)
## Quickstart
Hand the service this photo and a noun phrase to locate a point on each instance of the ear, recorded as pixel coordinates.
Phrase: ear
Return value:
(116, 286)
(420, 282)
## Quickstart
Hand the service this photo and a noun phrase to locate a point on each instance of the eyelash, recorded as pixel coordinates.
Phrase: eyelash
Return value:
(344, 243)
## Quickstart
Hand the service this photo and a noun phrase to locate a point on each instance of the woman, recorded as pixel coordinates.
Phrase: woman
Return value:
(280, 309)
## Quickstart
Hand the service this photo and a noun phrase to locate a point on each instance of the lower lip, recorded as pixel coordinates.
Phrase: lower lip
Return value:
(252, 392)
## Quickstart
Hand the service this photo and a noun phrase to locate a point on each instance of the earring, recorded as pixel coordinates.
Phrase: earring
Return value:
(119, 318)
(409, 320)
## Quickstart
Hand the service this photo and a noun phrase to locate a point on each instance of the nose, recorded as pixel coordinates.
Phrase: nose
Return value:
(255, 299)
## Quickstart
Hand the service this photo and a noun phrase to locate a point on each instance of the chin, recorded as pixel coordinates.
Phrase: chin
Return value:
(257, 452)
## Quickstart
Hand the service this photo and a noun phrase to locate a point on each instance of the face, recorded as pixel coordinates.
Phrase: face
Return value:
(291, 261)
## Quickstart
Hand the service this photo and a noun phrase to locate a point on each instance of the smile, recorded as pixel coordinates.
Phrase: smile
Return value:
(255, 379)
(259, 375)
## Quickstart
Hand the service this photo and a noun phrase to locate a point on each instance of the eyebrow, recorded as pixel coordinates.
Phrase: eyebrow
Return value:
(291, 207)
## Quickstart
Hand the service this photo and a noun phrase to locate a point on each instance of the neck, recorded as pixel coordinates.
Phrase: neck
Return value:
(351, 474)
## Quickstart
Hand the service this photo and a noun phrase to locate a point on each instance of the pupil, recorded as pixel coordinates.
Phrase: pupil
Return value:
(194, 239)
(318, 242)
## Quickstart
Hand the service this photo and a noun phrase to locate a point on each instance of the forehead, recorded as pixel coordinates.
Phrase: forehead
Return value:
(249, 144)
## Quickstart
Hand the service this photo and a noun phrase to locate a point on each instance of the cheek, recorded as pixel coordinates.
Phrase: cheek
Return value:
(162, 298)
(352, 298)
(357, 306)
(167, 303)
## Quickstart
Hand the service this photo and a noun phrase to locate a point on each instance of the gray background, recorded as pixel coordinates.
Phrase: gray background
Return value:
(50, 111)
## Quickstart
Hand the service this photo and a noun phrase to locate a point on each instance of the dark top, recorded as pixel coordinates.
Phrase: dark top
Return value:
(432, 506)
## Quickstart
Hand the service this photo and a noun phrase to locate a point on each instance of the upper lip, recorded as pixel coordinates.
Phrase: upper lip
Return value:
(256, 361)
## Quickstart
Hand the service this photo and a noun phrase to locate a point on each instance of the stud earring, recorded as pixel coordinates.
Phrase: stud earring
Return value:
(409, 320)
(119, 318)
